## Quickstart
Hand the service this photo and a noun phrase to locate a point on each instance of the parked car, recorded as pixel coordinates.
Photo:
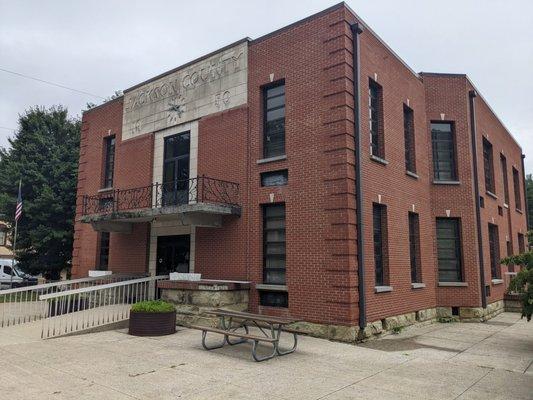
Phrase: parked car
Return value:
(19, 278)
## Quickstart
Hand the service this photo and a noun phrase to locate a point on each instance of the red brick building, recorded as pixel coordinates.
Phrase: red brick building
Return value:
(314, 163)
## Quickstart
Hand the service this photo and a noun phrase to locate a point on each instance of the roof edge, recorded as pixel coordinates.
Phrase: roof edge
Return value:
(105, 103)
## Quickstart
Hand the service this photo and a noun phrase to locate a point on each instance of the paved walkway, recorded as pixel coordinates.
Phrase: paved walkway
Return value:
(493, 360)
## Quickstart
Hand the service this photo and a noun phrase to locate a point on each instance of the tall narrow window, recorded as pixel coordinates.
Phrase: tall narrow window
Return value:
(503, 162)
(521, 243)
(516, 184)
(103, 258)
(494, 247)
(443, 143)
(449, 250)
(488, 166)
(109, 161)
(414, 248)
(375, 112)
(274, 244)
(274, 120)
(509, 254)
(3, 236)
(409, 136)
(380, 243)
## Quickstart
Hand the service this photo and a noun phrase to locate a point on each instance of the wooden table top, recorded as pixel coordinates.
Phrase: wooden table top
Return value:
(255, 317)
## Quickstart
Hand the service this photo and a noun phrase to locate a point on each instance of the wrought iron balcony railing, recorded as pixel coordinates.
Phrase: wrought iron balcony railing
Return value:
(179, 192)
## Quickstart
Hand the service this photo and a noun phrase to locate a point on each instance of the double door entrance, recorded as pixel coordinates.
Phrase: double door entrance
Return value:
(173, 254)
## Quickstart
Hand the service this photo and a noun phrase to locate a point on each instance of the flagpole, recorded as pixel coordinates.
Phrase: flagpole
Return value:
(15, 242)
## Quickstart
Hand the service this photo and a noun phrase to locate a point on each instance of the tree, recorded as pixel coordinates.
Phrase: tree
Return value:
(522, 283)
(529, 196)
(44, 155)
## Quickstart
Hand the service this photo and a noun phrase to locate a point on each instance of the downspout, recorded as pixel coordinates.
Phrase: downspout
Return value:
(472, 95)
(356, 31)
(526, 208)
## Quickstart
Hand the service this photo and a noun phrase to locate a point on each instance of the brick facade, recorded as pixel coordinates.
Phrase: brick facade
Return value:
(314, 57)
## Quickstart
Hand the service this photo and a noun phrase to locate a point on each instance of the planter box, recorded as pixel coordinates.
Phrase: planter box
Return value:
(96, 273)
(152, 324)
(178, 276)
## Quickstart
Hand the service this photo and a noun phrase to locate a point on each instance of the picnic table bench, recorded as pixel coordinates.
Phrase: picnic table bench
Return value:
(233, 323)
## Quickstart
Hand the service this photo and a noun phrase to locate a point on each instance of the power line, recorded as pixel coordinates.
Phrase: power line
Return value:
(50, 83)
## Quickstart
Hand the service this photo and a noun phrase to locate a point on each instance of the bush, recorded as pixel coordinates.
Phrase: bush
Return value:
(153, 306)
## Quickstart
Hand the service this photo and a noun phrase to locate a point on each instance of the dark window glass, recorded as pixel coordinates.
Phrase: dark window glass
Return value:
(500, 210)
(275, 178)
(503, 162)
(516, 184)
(3, 237)
(103, 259)
(521, 243)
(488, 166)
(375, 114)
(274, 120)
(380, 243)
(109, 165)
(443, 144)
(7, 270)
(176, 169)
(449, 250)
(481, 201)
(273, 299)
(409, 136)
(494, 247)
(274, 244)
(414, 248)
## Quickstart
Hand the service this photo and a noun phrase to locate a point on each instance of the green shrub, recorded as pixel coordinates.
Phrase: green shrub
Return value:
(152, 306)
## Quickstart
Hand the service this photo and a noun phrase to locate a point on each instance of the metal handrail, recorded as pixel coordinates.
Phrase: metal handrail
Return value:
(201, 189)
(101, 287)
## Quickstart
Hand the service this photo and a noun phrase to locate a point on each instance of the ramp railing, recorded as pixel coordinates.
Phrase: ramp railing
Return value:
(85, 308)
(22, 305)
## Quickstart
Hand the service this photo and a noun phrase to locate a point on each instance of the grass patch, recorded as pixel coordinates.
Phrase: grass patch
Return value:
(19, 297)
(152, 306)
(397, 330)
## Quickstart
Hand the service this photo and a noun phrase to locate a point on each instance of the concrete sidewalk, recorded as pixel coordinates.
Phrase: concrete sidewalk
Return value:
(492, 360)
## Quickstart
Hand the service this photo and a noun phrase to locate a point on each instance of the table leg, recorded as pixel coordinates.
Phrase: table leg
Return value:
(292, 349)
(218, 346)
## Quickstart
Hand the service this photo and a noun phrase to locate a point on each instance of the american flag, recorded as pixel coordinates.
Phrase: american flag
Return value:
(18, 210)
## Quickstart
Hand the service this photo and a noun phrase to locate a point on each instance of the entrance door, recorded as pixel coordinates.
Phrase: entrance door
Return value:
(173, 253)
(176, 169)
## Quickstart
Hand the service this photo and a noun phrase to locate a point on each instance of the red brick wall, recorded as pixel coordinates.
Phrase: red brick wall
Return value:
(222, 154)
(133, 168)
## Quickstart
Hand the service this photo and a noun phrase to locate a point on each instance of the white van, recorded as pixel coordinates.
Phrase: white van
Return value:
(5, 275)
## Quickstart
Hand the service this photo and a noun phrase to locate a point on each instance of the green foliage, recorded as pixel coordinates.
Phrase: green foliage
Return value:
(44, 154)
(152, 306)
(397, 330)
(522, 283)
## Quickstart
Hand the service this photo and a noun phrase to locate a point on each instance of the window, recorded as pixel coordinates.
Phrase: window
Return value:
(488, 166)
(274, 120)
(494, 247)
(176, 150)
(443, 143)
(273, 299)
(380, 243)
(409, 135)
(503, 162)
(275, 178)
(109, 159)
(274, 244)
(449, 250)
(103, 261)
(516, 184)
(521, 243)
(3, 237)
(481, 201)
(500, 211)
(375, 113)
(414, 248)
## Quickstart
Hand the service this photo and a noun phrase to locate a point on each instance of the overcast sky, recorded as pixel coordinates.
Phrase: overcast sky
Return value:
(102, 46)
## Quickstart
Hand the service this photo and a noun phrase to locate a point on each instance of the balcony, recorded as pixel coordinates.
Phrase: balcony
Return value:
(200, 201)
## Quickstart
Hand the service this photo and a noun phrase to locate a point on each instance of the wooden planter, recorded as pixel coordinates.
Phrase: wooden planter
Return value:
(152, 324)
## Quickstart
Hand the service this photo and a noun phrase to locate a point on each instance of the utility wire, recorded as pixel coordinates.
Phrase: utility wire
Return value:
(50, 83)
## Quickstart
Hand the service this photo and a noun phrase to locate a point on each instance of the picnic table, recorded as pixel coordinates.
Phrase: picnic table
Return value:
(236, 324)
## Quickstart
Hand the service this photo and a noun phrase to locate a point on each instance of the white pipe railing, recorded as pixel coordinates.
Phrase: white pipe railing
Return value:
(80, 309)
(22, 305)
